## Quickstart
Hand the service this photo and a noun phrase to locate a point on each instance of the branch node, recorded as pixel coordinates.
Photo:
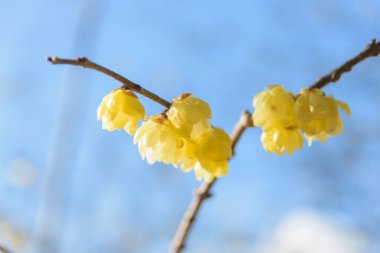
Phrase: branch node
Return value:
(82, 59)
(207, 195)
(138, 87)
(189, 218)
(373, 42)
(202, 193)
(335, 76)
(52, 59)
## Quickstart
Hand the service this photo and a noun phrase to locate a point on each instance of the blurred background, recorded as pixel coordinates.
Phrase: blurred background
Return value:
(68, 186)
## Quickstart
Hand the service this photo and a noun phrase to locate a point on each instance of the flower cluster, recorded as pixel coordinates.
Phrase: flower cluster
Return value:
(283, 116)
(182, 136)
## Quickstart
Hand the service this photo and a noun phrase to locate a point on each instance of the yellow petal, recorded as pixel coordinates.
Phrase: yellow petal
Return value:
(345, 107)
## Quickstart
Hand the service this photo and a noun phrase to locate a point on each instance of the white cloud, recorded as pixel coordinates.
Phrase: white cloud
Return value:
(307, 232)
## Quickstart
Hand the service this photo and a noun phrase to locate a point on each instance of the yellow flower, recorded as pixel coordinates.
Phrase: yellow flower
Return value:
(274, 107)
(279, 140)
(189, 156)
(214, 150)
(202, 173)
(121, 109)
(158, 141)
(208, 155)
(318, 115)
(190, 115)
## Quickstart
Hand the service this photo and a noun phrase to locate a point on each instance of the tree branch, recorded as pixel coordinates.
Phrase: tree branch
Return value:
(203, 191)
(4, 250)
(86, 63)
(372, 49)
(245, 121)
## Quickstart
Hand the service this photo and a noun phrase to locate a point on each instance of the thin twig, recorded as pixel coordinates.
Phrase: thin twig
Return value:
(86, 63)
(372, 49)
(4, 250)
(203, 191)
(244, 122)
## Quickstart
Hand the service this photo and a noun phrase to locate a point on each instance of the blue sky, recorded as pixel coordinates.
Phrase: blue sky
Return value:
(90, 191)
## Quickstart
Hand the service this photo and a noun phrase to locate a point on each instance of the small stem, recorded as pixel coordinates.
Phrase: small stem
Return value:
(201, 194)
(372, 49)
(244, 122)
(203, 191)
(86, 63)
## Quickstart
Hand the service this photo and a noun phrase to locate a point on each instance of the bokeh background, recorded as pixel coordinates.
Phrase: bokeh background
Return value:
(68, 186)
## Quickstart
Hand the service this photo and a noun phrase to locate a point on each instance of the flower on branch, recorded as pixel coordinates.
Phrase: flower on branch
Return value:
(275, 113)
(282, 116)
(274, 107)
(279, 140)
(190, 115)
(214, 151)
(206, 149)
(318, 115)
(121, 109)
(158, 141)
(207, 155)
